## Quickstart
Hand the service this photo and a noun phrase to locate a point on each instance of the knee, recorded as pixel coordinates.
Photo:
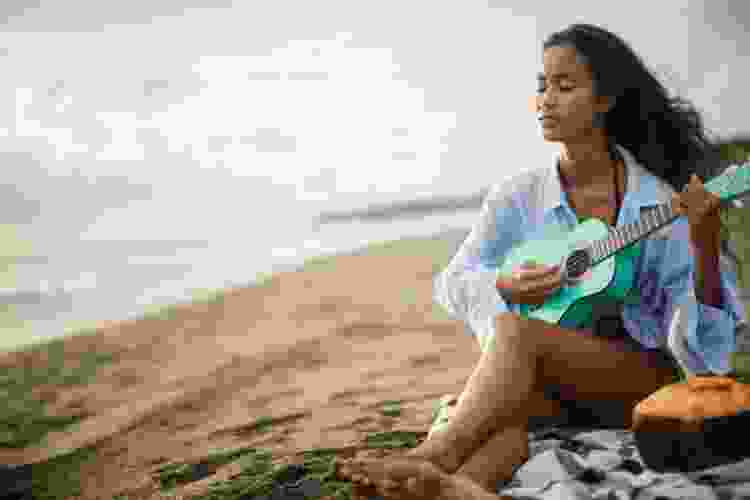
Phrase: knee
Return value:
(526, 333)
(508, 323)
(510, 326)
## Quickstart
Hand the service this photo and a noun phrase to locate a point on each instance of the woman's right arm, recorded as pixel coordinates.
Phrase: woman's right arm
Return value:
(466, 288)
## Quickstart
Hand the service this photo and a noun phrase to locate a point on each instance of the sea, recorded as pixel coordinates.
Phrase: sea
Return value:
(68, 283)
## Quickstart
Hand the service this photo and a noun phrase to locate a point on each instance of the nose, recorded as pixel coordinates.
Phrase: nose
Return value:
(545, 101)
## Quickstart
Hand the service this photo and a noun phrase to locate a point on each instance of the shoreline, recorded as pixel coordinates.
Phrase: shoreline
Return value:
(453, 237)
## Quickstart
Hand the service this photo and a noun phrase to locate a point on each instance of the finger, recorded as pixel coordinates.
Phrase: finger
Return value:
(715, 200)
(540, 297)
(550, 288)
(677, 204)
(542, 289)
(538, 272)
(544, 279)
(551, 279)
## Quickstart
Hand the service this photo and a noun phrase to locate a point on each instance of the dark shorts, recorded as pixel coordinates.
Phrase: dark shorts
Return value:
(603, 414)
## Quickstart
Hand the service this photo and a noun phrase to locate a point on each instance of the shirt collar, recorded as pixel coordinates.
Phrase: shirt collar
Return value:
(643, 188)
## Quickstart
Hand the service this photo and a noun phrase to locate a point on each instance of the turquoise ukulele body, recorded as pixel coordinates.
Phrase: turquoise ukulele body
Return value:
(598, 261)
(608, 281)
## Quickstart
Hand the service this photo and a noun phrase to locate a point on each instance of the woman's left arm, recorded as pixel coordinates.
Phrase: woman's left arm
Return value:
(702, 210)
(707, 276)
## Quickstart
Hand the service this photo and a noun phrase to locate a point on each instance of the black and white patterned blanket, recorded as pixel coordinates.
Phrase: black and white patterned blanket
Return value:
(566, 463)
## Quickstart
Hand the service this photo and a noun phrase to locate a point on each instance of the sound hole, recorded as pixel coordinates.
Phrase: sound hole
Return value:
(577, 264)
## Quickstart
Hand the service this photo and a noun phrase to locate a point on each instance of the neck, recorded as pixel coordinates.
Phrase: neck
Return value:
(587, 163)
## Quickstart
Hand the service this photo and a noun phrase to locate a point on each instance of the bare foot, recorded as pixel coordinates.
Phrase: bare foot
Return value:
(348, 469)
(441, 448)
(411, 479)
(439, 451)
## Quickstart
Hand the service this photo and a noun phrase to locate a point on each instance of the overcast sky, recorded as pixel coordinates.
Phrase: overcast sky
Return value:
(329, 103)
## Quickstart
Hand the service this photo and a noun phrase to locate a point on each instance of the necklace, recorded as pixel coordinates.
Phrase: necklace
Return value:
(615, 182)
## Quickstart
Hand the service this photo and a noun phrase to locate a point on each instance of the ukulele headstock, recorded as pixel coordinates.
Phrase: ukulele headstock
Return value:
(732, 183)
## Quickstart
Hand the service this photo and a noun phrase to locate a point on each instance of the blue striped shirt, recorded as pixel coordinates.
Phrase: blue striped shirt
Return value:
(667, 314)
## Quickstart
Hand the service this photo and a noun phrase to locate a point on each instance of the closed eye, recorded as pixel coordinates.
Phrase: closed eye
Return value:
(543, 89)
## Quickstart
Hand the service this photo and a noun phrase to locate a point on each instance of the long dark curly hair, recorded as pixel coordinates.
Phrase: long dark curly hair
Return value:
(665, 133)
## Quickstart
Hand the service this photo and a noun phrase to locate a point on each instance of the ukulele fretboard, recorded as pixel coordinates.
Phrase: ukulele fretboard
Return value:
(623, 236)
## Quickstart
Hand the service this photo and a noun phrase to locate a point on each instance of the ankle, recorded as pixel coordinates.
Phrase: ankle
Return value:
(458, 447)
(488, 485)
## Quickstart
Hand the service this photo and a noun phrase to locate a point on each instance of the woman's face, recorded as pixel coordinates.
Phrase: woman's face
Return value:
(565, 95)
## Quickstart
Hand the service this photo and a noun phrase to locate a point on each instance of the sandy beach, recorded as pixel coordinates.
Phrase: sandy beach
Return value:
(344, 356)
(315, 352)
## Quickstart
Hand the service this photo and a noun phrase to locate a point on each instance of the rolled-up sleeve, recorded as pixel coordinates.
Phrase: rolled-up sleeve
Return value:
(466, 287)
(700, 336)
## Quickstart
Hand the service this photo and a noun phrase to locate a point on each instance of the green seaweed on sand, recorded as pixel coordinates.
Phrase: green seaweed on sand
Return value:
(23, 420)
(258, 473)
(391, 408)
(174, 474)
(262, 424)
(392, 439)
(258, 470)
(59, 477)
(741, 366)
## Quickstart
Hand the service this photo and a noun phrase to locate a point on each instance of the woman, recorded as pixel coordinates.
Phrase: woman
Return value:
(625, 146)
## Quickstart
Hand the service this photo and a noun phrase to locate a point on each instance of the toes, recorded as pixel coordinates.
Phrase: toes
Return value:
(390, 489)
(359, 493)
(360, 478)
(413, 486)
(389, 484)
(342, 468)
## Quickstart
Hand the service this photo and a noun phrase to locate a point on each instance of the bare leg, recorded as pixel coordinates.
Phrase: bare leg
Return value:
(494, 399)
(527, 355)
(508, 448)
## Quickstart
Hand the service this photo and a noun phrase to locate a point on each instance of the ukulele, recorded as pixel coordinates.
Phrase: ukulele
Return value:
(596, 260)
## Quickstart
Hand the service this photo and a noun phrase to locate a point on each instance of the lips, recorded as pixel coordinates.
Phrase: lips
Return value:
(547, 121)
